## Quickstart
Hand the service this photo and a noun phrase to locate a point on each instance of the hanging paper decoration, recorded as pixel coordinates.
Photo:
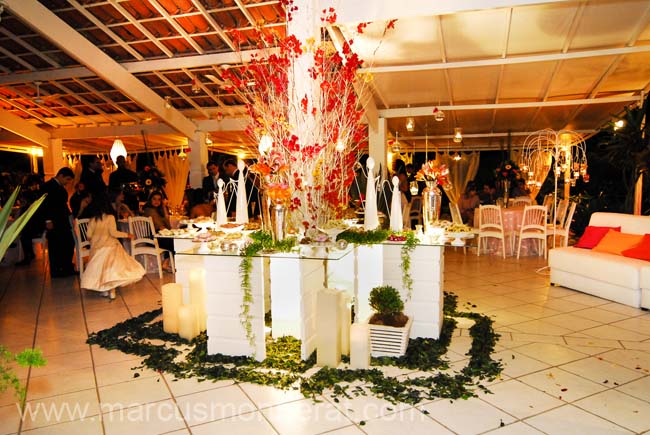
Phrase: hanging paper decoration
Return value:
(371, 218)
(396, 222)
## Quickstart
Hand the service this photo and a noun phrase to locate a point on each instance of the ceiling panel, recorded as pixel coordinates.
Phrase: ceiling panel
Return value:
(474, 85)
(577, 77)
(525, 81)
(474, 35)
(540, 28)
(631, 73)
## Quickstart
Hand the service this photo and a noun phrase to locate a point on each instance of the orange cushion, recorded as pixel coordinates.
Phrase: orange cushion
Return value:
(592, 236)
(640, 251)
(615, 242)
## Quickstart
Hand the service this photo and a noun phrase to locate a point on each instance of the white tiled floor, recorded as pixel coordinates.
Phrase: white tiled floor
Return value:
(574, 364)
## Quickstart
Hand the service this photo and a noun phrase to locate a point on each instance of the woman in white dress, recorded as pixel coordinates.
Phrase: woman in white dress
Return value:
(110, 266)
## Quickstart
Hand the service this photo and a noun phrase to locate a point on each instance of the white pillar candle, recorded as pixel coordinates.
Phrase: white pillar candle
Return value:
(328, 328)
(346, 320)
(198, 296)
(359, 346)
(187, 322)
(172, 298)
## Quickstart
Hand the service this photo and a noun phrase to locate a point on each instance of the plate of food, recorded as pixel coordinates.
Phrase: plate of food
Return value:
(333, 228)
(231, 227)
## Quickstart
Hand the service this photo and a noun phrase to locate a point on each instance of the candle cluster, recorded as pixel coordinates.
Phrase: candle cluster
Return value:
(185, 319)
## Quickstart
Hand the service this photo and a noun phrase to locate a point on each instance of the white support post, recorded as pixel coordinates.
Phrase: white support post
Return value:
(198, 158)
(53, 158)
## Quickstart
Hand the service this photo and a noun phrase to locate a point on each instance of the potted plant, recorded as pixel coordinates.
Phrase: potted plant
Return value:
(389, 326)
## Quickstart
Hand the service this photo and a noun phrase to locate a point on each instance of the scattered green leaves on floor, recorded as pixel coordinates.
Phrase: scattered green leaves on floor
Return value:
(283, 368)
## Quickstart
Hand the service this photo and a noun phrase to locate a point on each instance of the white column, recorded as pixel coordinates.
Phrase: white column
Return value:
(198, 158)
(53, 158)
(377, 146)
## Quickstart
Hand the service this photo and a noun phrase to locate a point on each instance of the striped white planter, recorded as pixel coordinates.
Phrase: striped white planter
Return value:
(389, 340)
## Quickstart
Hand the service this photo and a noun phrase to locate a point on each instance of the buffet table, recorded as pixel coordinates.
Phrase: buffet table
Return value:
(287, 285)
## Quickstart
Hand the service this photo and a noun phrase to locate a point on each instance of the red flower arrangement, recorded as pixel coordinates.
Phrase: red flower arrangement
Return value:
(508, 170)
(315, 130)
(431, 172)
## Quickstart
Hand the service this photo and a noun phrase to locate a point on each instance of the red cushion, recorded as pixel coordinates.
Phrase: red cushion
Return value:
(593, 235)
(640, 251)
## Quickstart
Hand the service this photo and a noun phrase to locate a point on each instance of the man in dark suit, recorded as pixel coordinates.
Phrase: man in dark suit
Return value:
(122, 179)
(210, 181)
(232, 172)
(91, 175)
(60, 242)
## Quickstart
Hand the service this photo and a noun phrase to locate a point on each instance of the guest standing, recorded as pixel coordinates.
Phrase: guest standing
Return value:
(91, 175)
(124, 179)
(110, 266)
(57, 222)
(210, 181)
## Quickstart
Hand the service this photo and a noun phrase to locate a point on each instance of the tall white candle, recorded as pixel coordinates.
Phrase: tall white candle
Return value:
(198, 296)
(172, 298)
(328, 328)
(359, 346)
(187, 322)
(222, 215)
(346, 320)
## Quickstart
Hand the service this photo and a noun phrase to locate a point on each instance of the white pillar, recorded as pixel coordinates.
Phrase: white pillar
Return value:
(198, 158)
(53, 158)
(377, 147)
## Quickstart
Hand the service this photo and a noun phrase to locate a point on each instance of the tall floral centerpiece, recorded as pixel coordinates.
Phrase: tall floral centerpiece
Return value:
(316, 129)
(507, 173)
(433, 176)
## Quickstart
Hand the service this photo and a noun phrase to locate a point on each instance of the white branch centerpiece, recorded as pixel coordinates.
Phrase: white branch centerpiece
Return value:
(304, 99)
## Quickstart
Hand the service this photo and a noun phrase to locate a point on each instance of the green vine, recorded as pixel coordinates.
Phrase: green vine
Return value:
(8, 378)
(260, 241)
(405, 253)
(284, 369)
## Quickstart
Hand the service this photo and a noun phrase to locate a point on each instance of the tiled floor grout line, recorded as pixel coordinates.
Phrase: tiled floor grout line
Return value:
(38, 315)
(258, 409)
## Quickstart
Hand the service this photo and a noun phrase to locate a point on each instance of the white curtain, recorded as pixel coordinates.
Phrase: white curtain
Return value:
(175, 171)
(461, 172)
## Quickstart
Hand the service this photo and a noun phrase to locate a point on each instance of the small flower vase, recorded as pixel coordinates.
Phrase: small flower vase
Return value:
(278, 219)
(506, 193)
(431, 200)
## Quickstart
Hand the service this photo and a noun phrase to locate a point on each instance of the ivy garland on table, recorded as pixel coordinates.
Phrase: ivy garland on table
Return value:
(260, 240)
(284, 369)
(405, 253)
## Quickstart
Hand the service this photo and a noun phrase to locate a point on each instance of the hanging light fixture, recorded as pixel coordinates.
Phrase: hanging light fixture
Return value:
(117, 150)
(410, 124)
(395, 146)
(458, 134)
(182, 155)
(438, 115)
(619, 124)
(168, 102)
(457, 156)
(340, 145)
(208, 139)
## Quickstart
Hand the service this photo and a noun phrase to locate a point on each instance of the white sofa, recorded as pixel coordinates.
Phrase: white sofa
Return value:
(614, 277)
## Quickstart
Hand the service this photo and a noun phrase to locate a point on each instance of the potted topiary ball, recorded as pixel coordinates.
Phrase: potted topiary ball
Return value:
(389, 326)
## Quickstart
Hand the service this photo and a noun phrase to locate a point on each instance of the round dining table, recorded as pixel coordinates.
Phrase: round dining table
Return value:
(512, 218)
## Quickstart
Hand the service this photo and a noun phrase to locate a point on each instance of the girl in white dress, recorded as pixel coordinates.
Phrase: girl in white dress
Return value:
(110, 266)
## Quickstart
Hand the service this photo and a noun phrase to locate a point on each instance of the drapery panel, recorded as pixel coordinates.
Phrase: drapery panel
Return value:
(175, 171)
(461, 172)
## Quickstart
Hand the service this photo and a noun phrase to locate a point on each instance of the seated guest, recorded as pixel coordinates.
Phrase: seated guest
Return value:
(519, 189)
(488, 195)
(468, 202)
(156, 209)
(122, 210)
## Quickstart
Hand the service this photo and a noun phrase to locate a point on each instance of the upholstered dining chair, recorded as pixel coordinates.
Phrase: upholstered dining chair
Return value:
(562, 230)
(533, 226)
(145, 243)
(490, 226)
(82, 243)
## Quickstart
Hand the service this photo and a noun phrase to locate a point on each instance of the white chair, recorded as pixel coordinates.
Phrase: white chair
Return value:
(490, 224)
(562, 230)
(416, 211)
(548, 203)
(82, 244)
(533, 226)
(562, 207)
(145, 243)
(522, 200)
